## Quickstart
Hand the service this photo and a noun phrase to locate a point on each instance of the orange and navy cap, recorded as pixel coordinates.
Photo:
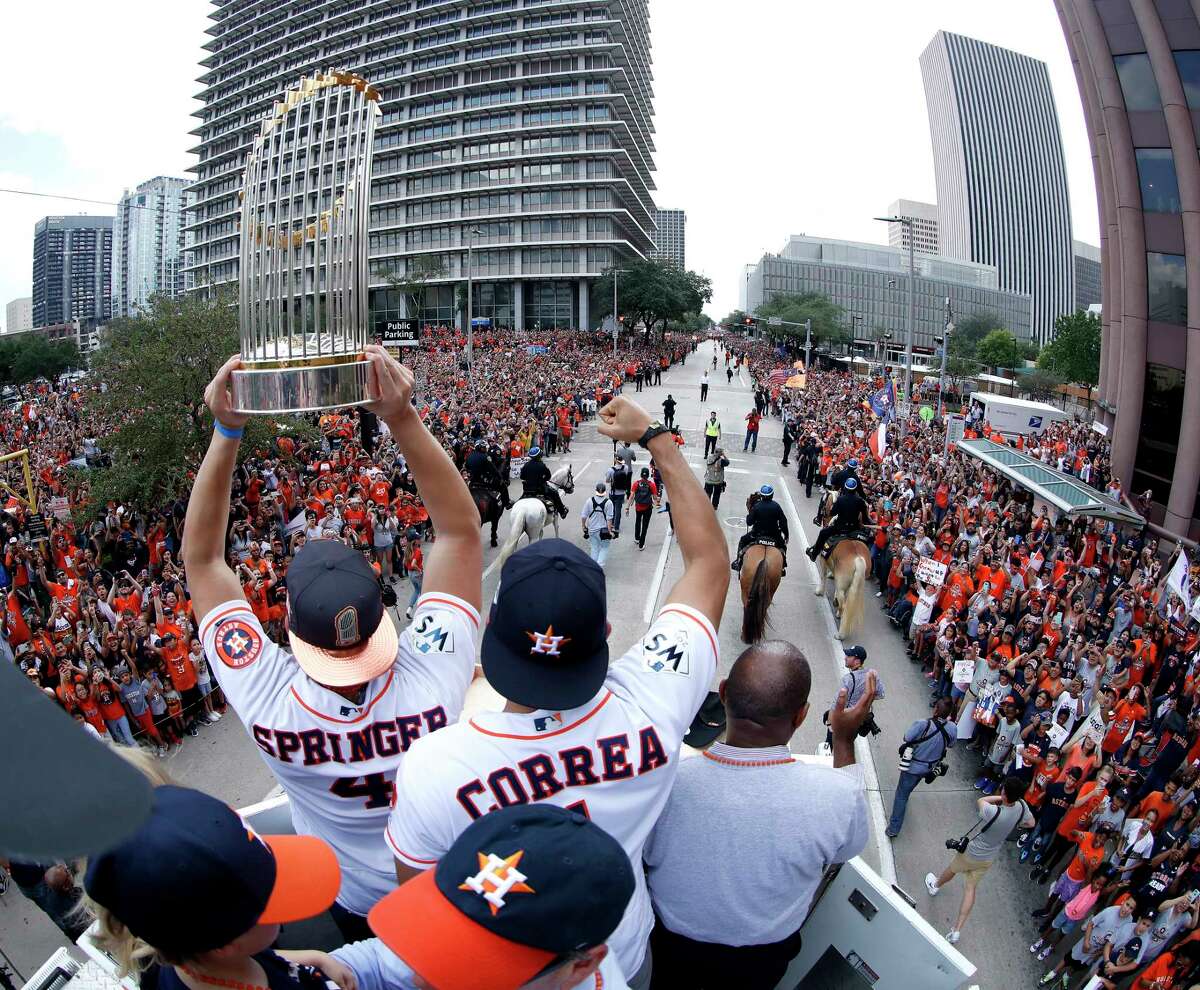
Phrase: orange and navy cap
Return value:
(520, 889)
(194, 877)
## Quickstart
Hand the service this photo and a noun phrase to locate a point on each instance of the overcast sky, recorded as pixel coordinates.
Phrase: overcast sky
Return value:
(773, 117)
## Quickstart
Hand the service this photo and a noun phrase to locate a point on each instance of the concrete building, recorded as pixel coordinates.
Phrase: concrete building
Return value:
(924, 217)
(1087, 274)
(670, 238)
(870, 283)
(519, 128)
(1001, 176)
(148, 244)
(1138, 68)
(18, 315)
(72, 270)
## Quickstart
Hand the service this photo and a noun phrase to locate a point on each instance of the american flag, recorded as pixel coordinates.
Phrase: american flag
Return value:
(778, 377)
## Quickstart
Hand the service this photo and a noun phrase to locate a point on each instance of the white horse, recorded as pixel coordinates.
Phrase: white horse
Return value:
(528, 515)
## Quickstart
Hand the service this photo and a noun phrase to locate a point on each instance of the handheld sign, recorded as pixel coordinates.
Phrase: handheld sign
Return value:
(931, 571)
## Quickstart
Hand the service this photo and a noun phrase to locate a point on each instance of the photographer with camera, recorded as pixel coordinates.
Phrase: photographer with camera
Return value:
(975, 853)
(854, 683)
(922, 757)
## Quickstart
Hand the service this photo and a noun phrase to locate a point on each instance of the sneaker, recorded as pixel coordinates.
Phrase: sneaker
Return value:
(978, 785)
(1022, 839)
(1066, 980)
(1024, 854)
(1037, 945)
(1039, 913)
(216, 716)
(193, 731)
(1035, 873)
(1049, 978)
(953, 936)
(1045, 953)
(408, 613)
(988, 786)
(3, 880)
(931, 884)
(879, 594)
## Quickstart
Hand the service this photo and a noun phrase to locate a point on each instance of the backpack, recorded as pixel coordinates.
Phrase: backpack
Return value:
(642, 494)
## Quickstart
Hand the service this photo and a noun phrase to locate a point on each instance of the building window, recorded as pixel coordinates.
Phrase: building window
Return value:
(1188, 64)
(1156, 173)
(549, 305)
(1137, 82)
(1162, 413)
(1166, 288)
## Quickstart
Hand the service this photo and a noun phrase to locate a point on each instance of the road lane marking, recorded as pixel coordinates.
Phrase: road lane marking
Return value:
(862, 749)
(659, 571)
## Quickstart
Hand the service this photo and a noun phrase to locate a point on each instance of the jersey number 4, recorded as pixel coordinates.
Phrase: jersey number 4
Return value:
(375, 787)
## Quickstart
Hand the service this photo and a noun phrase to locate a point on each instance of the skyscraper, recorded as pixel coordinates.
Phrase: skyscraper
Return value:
(1087, 274)
(670, 240)
(1138, 69)
(18, 315)
(924, 217)
(1001, 176)
(517, 129)
(148, 244)
(72, 270)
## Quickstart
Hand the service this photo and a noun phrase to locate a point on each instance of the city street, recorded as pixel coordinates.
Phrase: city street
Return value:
(224, 762)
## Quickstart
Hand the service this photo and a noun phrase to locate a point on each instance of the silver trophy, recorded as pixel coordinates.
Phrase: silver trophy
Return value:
(303, 263)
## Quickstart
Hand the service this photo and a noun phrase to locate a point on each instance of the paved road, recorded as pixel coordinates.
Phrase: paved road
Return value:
(224, 762)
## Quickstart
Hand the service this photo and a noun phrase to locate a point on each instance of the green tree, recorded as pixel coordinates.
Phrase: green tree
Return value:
(27, 356)
(1040, 385)
(735, 319)
(970, 331)
(155, 367)
(999, 349)
(1074, 353)
(652, 292)
(828, 318)
(414, 283)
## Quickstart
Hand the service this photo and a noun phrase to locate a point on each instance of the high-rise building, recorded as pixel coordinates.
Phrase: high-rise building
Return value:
(1087, 274)
(148, 244)
(1138, 69)
(924, 217)
(870, 283)
(72, 270)
(670, 240)
(18, 315)
(519, 129)
(1001, 176)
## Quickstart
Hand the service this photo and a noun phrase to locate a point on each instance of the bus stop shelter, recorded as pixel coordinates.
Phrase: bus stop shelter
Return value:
(1065, 492)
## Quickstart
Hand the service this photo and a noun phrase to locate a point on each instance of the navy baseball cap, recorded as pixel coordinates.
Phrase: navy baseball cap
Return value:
(194, 877)
(855, 651)
(338, 627)
(546, 643)
(520, 889)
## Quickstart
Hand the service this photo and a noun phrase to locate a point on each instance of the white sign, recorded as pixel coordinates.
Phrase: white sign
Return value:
(956, 427)
(1057, 734)
(1095, 727)
(931, 571)
(59, 506)
(1100, 428)
(964, 671)
(774, 321)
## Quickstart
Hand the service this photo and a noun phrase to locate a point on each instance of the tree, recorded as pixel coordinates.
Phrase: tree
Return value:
(155, 367)
(735, 319)
(999, 349)
(1074, 353)
(1040, 385)
(414, 283)
(32, 355)
(970, 331)
(652, 292)
(828, 318)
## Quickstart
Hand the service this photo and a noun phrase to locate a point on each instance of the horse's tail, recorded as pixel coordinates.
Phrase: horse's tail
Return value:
(852, 610)
(758, 603)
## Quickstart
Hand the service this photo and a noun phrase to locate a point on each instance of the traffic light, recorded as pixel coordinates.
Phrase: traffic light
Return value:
(621, 318)
(749, 321)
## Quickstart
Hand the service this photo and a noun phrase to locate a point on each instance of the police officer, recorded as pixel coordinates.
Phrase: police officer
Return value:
(764, 521)
(839, 479)
(806, 473)
(535, 481)
(849, 514)
(483, 474)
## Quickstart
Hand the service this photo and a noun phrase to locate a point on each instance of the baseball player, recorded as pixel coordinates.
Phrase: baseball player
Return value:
(335, 714)
(601, 739)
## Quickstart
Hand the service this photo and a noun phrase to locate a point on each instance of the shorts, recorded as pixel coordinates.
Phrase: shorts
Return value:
(969, 868)
(205, 688)
(1065, 888)
(1062, 923)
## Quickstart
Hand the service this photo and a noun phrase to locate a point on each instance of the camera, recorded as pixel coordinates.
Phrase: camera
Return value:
(959, 845)
(869, 727)
(937, 770)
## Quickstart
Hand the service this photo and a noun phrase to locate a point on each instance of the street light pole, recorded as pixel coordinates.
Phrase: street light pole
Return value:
(616, 321)
(807, 346)
(907, 223)
(945, 350)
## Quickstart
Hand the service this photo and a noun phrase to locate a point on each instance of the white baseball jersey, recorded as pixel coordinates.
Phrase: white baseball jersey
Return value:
(613, 759)
(337, 760)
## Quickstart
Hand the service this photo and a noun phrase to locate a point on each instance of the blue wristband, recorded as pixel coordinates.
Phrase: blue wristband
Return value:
(225, 431)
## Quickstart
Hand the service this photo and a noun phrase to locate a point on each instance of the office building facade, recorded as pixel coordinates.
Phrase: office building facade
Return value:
(870, 283)
(148, 244)
(924, 217)
(1138, 69)
(72, 270)
(18, 315)
(517, 130)
(1000, 171)
(1087, 275)
(670, 238)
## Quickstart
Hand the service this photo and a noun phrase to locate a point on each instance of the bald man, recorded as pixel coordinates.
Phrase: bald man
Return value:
(735, 920)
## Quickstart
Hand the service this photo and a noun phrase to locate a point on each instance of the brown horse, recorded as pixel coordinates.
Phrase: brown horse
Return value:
(761, 569)
(848, 564)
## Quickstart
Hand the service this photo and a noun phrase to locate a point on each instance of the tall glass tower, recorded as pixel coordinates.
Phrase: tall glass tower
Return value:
(148, 244)
(516, 132)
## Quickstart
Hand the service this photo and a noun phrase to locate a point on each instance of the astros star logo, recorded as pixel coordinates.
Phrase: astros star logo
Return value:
(547, 642)
(496, 878)
(238, 645)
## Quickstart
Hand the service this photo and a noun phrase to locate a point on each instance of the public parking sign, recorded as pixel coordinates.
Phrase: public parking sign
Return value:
(398, 333)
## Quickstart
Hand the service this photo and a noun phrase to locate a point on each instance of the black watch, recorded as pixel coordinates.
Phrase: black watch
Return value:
(653, 430)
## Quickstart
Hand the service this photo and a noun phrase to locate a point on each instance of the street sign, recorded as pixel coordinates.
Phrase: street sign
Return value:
(398, 333)
(774, 321)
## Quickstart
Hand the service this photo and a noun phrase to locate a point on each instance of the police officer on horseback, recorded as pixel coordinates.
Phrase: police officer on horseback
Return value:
(483, 474)
(535, 482)
(850, 514)
(765, 523)
(839, 479)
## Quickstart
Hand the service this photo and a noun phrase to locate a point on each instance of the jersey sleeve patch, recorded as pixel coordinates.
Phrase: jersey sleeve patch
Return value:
(667, 651)
(236, 643)
(432, 633)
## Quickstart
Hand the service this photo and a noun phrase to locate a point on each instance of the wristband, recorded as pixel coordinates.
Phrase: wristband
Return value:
(227, 432)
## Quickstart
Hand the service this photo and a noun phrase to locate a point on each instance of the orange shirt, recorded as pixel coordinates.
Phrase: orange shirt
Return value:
(1125, 714)
(1159, 802)
(180, 667)
(1090, 795)
(1090, 855)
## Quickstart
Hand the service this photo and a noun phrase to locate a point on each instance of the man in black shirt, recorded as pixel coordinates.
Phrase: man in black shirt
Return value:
(765, 520)
(668, 411)
(850, 513)
(806, 473)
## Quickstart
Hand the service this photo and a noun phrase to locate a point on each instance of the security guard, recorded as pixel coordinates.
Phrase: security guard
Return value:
(535, 481)
(849, 512)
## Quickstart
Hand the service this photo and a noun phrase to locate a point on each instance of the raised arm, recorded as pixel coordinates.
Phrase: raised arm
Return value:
(455, 564)
(705, 579)
(210, 579)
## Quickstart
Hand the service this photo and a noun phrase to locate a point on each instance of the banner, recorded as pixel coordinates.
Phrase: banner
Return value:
(883, 402)
(1095, 727)
(931, 571)
(878, 441)
(964, 671)
(1178, 580)
(59, 507)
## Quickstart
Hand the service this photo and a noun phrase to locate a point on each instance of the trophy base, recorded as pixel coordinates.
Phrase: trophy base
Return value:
(300, 389)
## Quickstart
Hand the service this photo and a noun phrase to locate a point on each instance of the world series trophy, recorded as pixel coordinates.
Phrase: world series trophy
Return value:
(303, 312)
